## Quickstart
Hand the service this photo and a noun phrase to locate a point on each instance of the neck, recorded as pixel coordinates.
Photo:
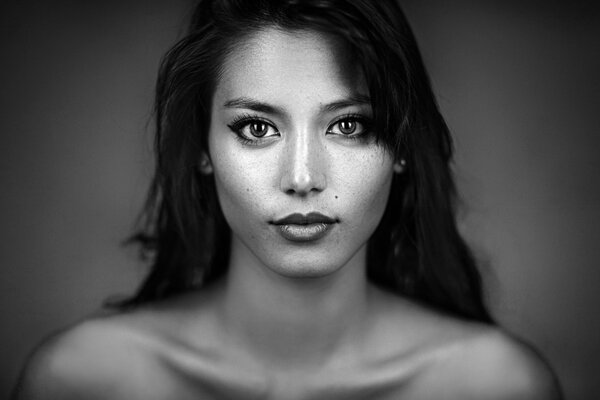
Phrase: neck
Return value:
(294, 321)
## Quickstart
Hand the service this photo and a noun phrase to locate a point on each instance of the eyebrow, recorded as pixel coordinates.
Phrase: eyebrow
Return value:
(255, 105)
(356, 100)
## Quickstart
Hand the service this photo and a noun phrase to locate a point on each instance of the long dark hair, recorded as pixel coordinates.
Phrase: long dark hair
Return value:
(416, 250)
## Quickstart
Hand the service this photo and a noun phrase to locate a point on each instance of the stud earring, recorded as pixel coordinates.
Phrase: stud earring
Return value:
(400, 166)
(205, 165)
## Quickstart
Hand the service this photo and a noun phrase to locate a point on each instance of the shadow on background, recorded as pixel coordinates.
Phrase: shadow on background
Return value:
(517, 81)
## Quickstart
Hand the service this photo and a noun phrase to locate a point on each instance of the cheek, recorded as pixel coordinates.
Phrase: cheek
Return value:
(365, 184)
(239, 184)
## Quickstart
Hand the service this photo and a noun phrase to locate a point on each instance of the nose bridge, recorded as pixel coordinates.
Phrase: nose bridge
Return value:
(304, 164)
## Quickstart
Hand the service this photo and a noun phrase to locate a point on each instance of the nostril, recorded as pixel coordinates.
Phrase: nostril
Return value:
(303, 191)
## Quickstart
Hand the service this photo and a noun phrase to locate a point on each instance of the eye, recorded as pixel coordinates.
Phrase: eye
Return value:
(349, 126)
(253, 129)
(258, 128)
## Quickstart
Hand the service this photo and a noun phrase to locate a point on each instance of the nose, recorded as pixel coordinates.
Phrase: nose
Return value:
(303, 168)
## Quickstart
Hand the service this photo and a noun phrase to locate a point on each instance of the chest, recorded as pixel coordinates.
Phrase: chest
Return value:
(196, 378)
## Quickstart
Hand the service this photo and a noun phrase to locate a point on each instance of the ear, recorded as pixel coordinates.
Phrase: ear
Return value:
(204, 165)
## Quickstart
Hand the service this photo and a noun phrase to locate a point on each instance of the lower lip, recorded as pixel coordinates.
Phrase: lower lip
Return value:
(304, 233)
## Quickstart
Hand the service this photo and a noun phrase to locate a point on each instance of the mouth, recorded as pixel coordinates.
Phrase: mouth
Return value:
(304, 227)
(305, 219)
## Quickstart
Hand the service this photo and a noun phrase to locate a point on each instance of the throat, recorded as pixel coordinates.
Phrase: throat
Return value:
(295, 322)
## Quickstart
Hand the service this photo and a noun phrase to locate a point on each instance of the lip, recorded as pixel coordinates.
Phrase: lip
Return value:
(304, 227)
(305, 219)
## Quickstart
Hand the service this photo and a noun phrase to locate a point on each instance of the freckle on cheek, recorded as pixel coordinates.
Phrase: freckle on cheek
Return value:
(336, 197)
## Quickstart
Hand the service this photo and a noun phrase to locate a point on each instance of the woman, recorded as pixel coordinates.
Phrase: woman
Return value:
(300, 228)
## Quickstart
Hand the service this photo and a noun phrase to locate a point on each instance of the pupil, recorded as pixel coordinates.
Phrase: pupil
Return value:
(258, 129)
(347, 127)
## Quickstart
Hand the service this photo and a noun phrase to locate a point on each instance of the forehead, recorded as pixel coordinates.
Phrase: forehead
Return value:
(288, 66)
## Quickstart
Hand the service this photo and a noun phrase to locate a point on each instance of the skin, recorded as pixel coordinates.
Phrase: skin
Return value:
(302, 164)
(290, 320)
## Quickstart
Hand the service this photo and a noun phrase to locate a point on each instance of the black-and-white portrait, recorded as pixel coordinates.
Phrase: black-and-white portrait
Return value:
(299, 199)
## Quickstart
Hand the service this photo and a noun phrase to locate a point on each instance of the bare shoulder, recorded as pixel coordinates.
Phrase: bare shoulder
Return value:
(459, 359)
(490, 364)
(131, 354)
(84, 361)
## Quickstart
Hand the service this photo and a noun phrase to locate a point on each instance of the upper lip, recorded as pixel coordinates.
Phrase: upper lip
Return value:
(305, 219)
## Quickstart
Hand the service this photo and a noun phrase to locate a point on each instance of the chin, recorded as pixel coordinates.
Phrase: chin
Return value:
(306, 267)
(304, 272)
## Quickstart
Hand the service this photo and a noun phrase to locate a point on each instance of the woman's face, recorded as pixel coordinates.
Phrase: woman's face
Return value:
(299, 176)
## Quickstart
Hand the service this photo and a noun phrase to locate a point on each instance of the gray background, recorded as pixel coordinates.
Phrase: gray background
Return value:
(518, 82)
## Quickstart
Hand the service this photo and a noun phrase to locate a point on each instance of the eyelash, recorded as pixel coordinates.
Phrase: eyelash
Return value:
(243, 120)
(354, 117)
